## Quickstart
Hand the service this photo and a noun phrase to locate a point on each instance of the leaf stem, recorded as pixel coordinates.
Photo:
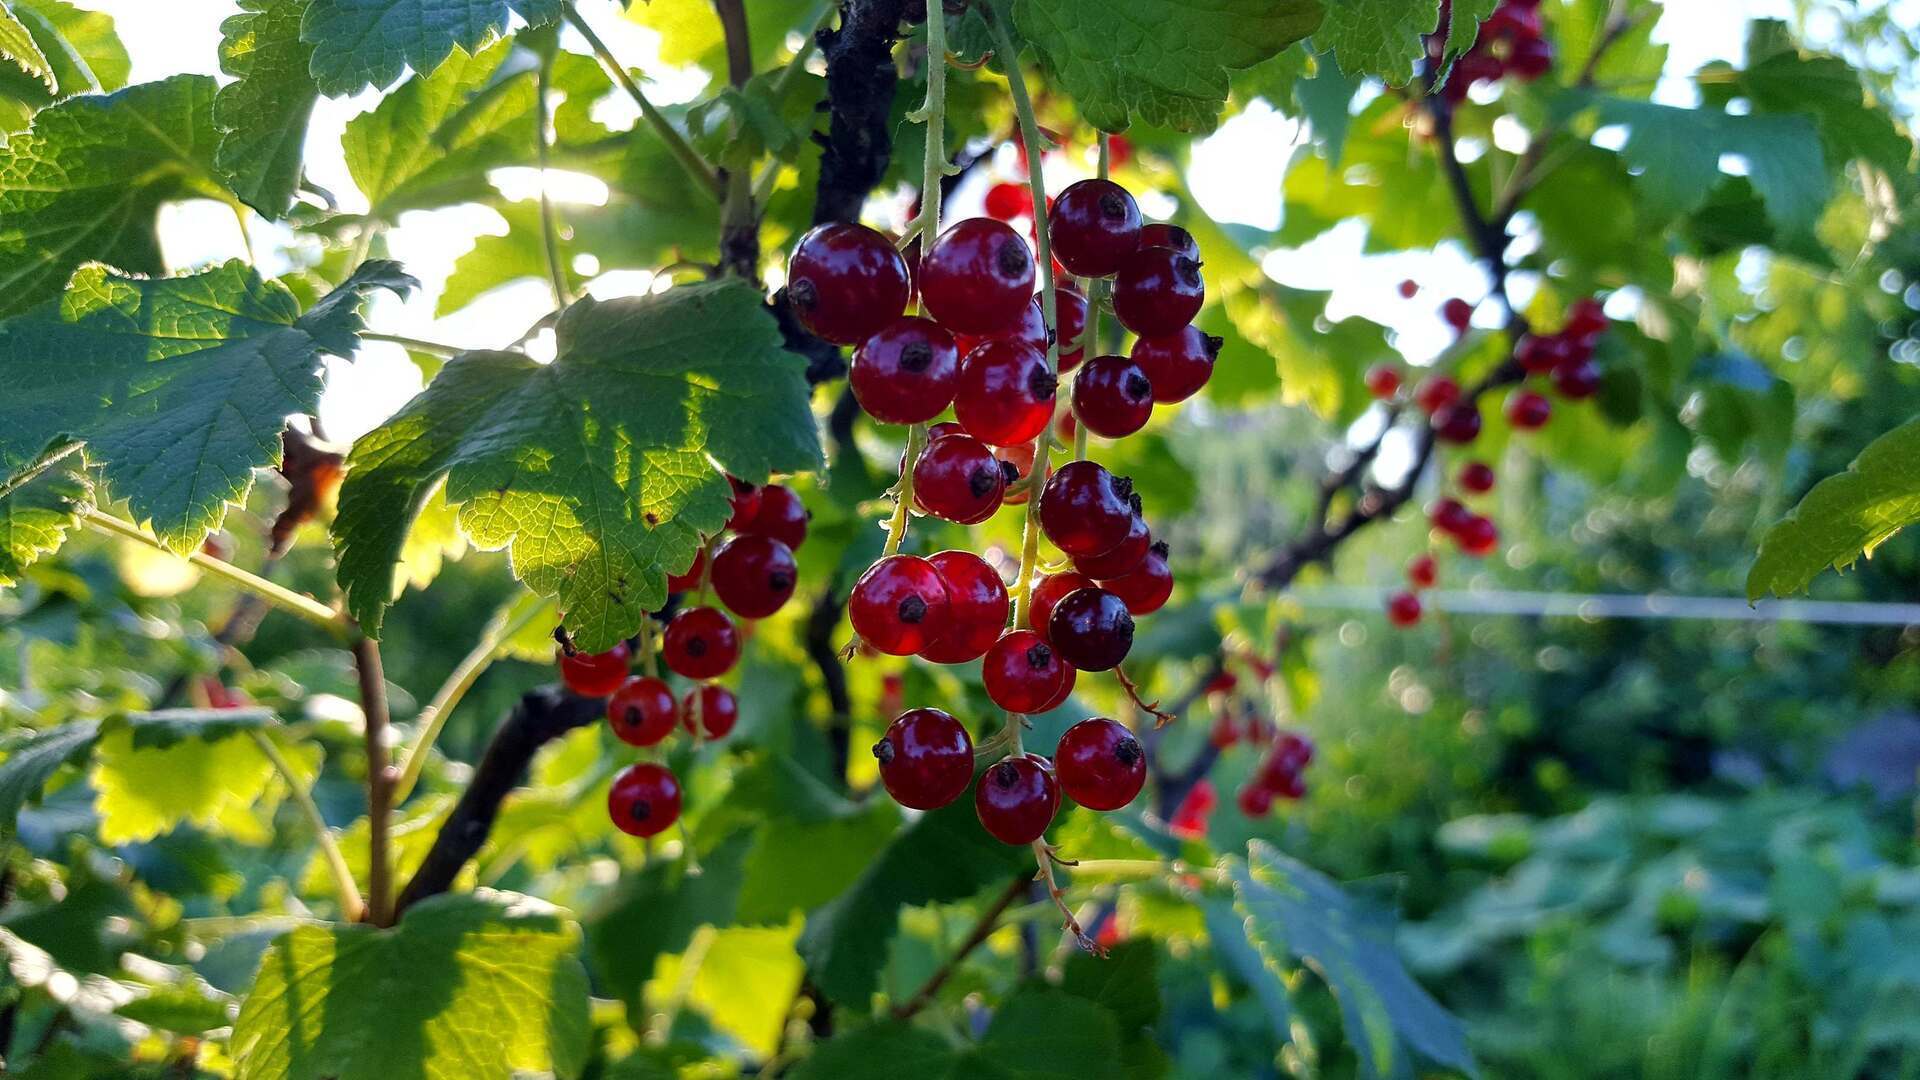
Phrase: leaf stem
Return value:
(37, 466)
(352, 908)
(689, 158)
(431, 348)
(373, 706)
(543, 146)
(284, 598)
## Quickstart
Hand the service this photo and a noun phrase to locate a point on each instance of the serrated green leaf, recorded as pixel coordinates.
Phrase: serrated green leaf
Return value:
(797, 866)
(143, 791)
(466, 986)
(1385, 37)
(85, 182)
(36, 517)
(361, 43)
(191, 1008)
(1040, 1033)
(82, 53)
(179, 387)
(1159, 62)
(31, 761)
(885, 1051)
(431, 140)
(1843, 517)
(657, 910)
(596, 471)
(689, 33)
(744, 981)
(17, 45)
(1828, 88)
(262, 115)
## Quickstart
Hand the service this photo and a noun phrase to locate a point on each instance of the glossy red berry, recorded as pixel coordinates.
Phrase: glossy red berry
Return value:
(1060, 696)
(906, 372)
(1020, 456)
(1158, 291)
(958, 479)
(1436, 392)
(1177, 365)
(644, 799)
(1049, 590)
(926, 759)
(1022, 673)
(1161, 234)
(1145, 590)
(690, 580)
(1403, 609)
(1100, 764)
(1383, 381)
(1093, 224)
(595, 674)
(978, 277)
(1091, 629)
(782, 516)
(1528, 411)
(1122, 560)
(1112, 397)
(1005, 394)
(1538, 354)
(1422, 572)
(715, 707)
(1031, 330)
(1476, 477)
(1458, 423)
(1006, 201)
(641, 711)
(700, 643)
(977, 605)
(943, 429)
(1017, 799)
(1479, 537)
(1577, 381)
(846, 281)
(754, 576)
(1458, 314)
(899, 604)
(1449, 516)
(1254, 800)
(1070, 307)
(746, 502)
(1086, 510)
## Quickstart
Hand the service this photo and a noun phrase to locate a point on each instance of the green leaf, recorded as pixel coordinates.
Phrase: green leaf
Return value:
(1159, 62)
(1384, 37)
(81, 51)
(1843, 517)
(262, 115)
(689, 33)
(656, 911)
(179, 387)
(466, 986)
(1040, 1033)
(430, 142)
(1829, 89)
(797, 866)
(147, 780)
(31, 762)
(361, 43)
(596, 471)
(36, 517)
(744, 981)
(17, 45)
(86, 181)
(943, 857)
(885, 1051)
(1326, 98)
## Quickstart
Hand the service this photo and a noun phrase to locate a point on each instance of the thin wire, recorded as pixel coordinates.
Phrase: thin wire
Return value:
(1596, 606)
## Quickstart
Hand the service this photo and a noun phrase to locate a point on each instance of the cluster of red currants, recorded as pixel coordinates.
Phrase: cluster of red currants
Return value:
(1236, 719)
(1511, 42)
(1280, 775)
(753, 573)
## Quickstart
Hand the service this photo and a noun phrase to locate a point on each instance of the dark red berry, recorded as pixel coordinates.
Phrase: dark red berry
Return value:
(1060, 696)
(1458, 423)
(1383, 381)
(782, 516)
(700, 643)
(1093, 224)
(926, 759)
(1403, 609)
(1458, 313)
(1100, 764)
(1122, 560)
(1290, 786)
(1161, 234)
(978, 277)
(899, 605)
(905, 373)
(958, 479)
(1177, 365)
(1479, 537)
(1158, 291)
(1436, 392)
(1476, 477)
(1086, 510)
(1020, 456)
(644, 800)
(1577, 381)
(1422, 572)
(1005, 394)
(641, 711)
(595, 674)
(1409, 289)
(1031, 330)
(943, 429)
(1021, 672)
(1291, 753)
(1147, 588)
(714, 706)
(1254, 800)
(1049, 590)
(1449, 516)
(977, 604)
(1071, 314)
(1112, 397)
(754, 576)
(1585, 319)
(1531, 58)
(1091, 629)
(846, 281)
(1017, 798)
(746, 502)
(690, 580)
(1538, 355)
(1528, 411)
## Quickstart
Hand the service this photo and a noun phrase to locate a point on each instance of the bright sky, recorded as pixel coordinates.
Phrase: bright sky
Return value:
(1236, 177)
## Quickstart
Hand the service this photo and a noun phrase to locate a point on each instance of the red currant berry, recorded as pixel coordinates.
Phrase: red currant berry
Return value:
(782, 516)
(1177, 365)
(715, 707)
(1422, 572)
(690, 580)
(926, 759)
(977, 601)
(1458, 313)
(1070, 310)
(1409, 289)
(1020, 456)
(943, 429)
(978, 277)
(1031, 330)
(1161, 234)
(1435, 393)
(1122, 560)
(1577, 381)
(1091, 629)
(644, 800)
(958, 479)
(1585, 319)
(1458, 423)
(1147, 588)
(1292, 752)
(1049, 590)
(1476, 477)
(595, 674)
(1017, 798)
(905, 373)
(746, 502)
(1254, 800)
(641, 711)
(899, 605)
(700, 643)
(1093, 225)
(1531, 58)
(1005, 394)
(1021, 672)
(1538, 355)
(1086, 510)
(1158, 291)
(846, 281)
(1101, 765)
(1479, 537)
(1449, 516)
(754, 576)
(1383, 381)
(1006, 201)
(1528, 411)
(1290, 786)
(1403, 609)
(1112, 397)
(1061, 695)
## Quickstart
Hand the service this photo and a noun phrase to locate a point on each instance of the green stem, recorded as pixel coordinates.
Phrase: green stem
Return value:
(689, 158)
(542, 140)
(510, 619)
(286, 599)
(1090, 334)
(351, 906)
(373, 708)
(903, 501)
(39, 465)
(933, 164)
(431, 348)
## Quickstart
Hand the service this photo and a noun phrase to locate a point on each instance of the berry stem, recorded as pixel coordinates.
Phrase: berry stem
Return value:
(352, 908)
(903, 492)
(543, 147)
(281, 597)
(933, 163)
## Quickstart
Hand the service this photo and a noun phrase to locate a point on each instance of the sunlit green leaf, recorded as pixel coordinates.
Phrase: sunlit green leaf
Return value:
(1843, 517)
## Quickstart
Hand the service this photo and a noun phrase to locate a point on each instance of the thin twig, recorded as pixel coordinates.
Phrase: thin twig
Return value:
(689, 158)
(373, 706)
(543, 145)
(278, 595)
(352, 908)
(431, 348)
(982, 930)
